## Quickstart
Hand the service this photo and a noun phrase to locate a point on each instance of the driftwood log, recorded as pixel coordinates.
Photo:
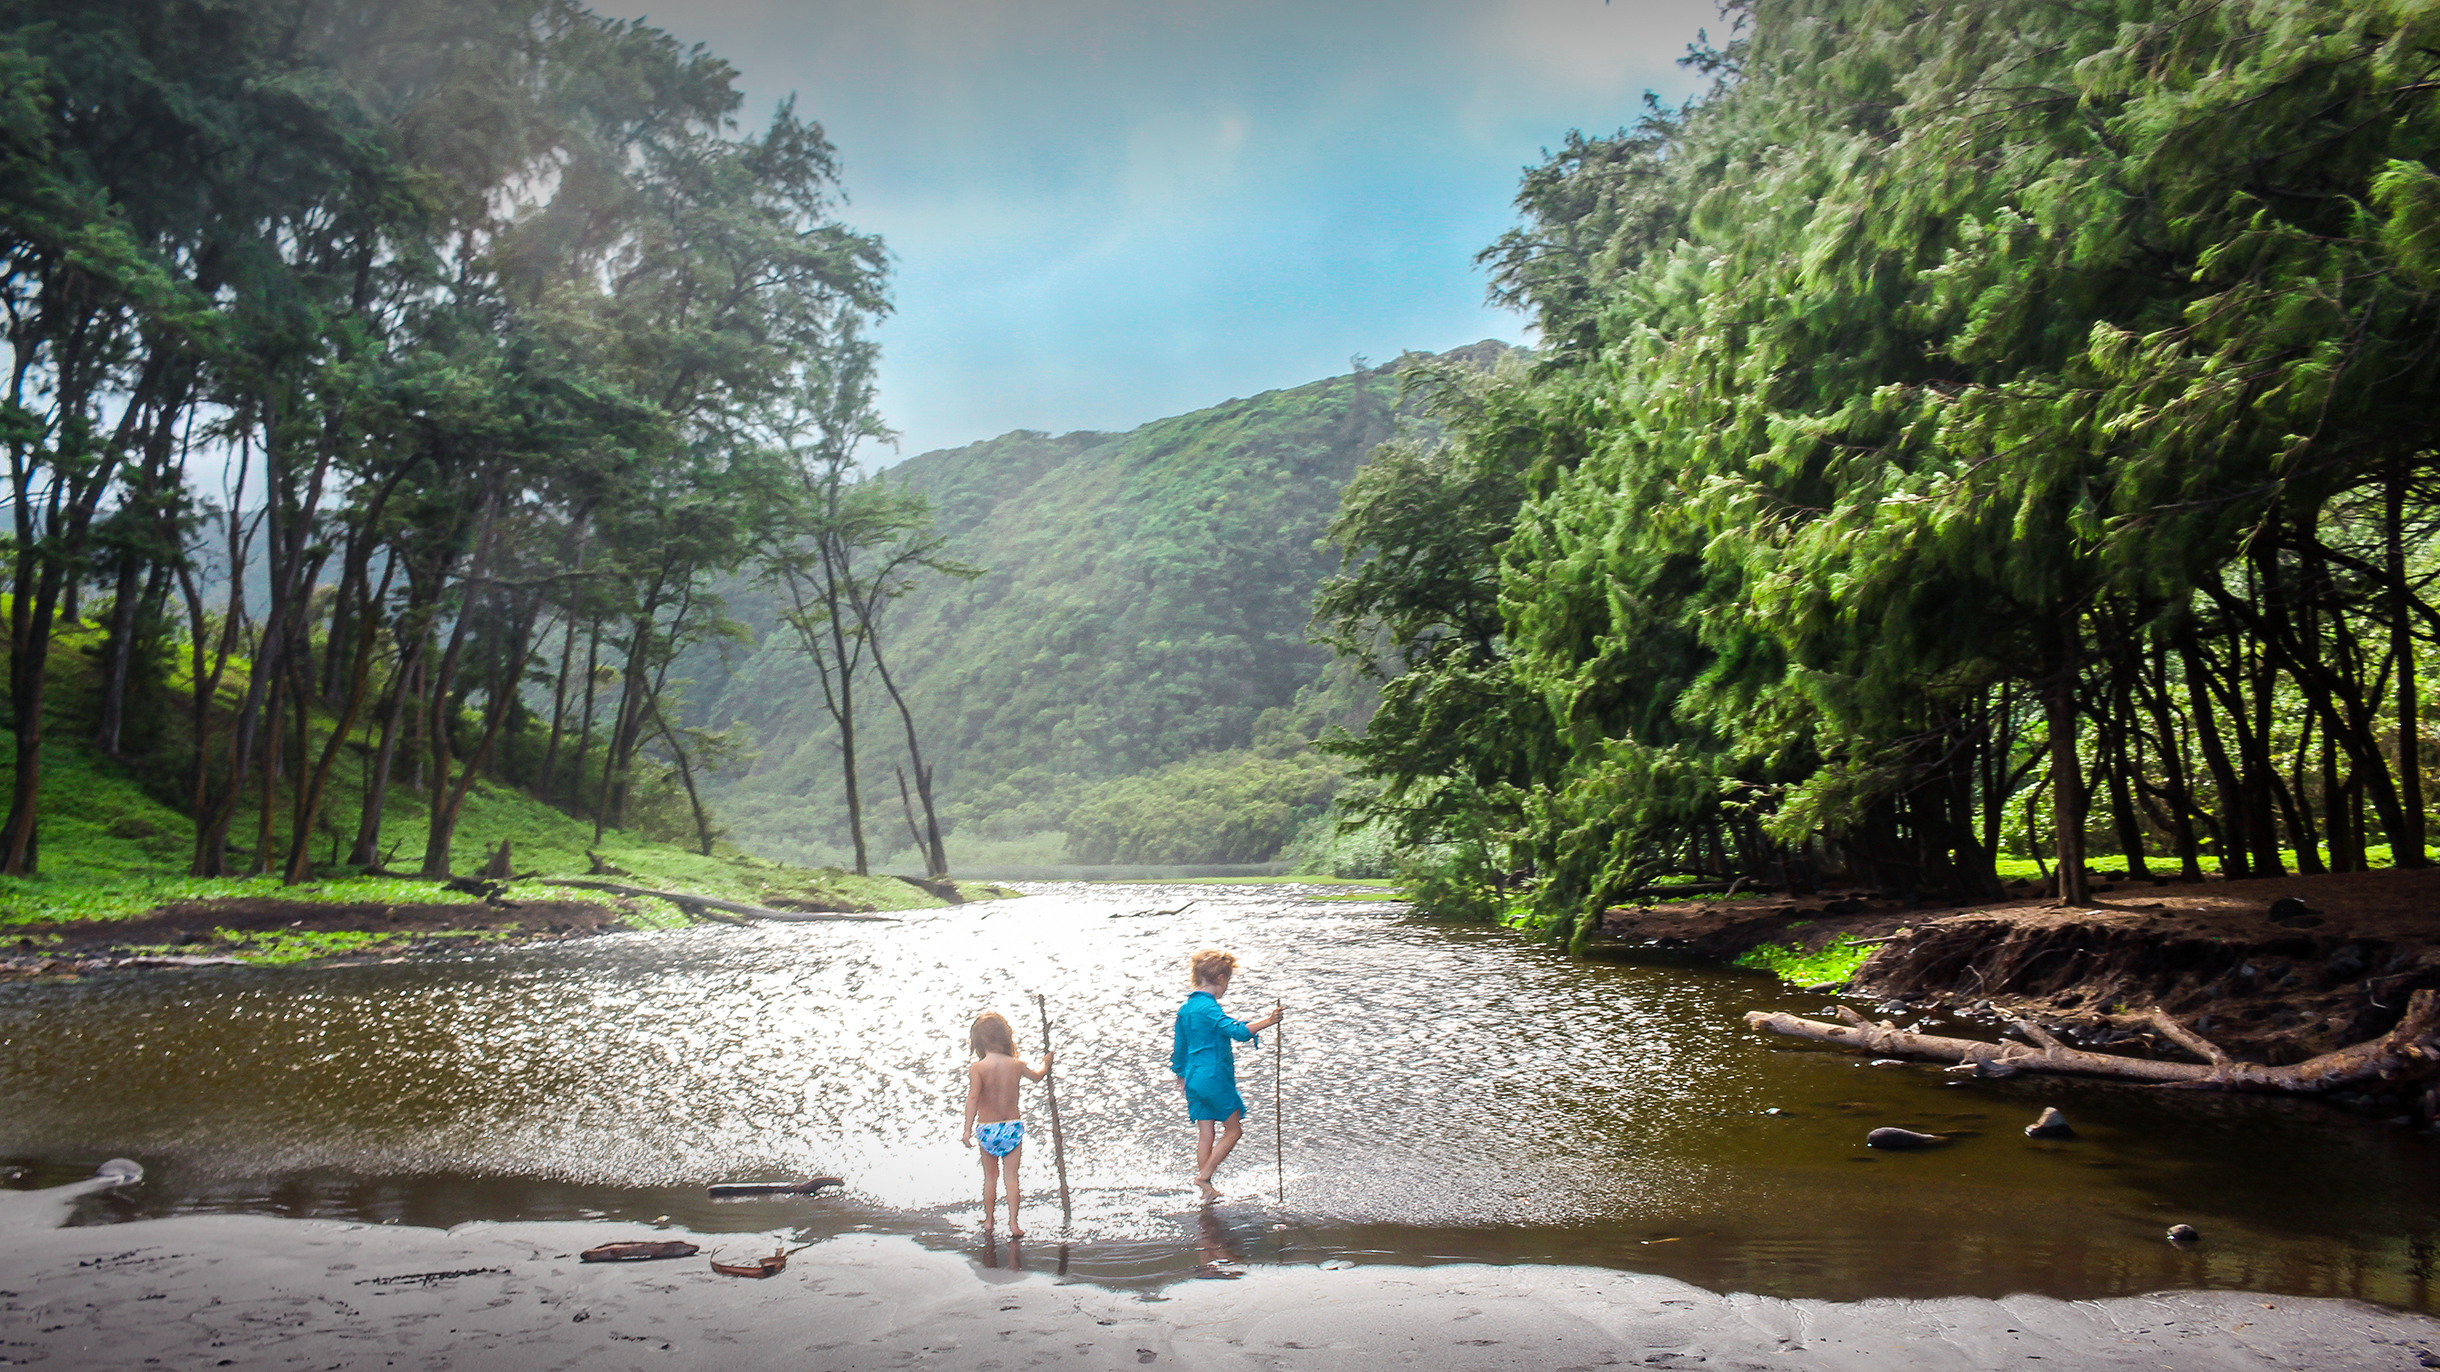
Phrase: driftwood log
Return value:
(705, 905)
(2410, 1049)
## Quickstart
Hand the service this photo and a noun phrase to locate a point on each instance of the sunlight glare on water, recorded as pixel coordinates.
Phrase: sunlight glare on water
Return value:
(1449, 1092)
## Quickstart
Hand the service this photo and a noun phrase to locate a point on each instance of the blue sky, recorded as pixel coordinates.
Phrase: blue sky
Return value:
(1103, 212)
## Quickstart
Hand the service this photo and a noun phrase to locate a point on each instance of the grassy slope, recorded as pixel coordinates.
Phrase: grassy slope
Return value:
(112, 848)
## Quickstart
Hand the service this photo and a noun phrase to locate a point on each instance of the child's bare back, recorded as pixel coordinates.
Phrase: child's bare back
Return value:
(992, 1082)
(993, 1121)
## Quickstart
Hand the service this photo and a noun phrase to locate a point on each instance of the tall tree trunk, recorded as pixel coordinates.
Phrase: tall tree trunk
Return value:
(2152, 676)
(2301, 834)
(509, 669)
(311, 789)
(584, 728)
(2066, 782)
(936, 855)
(441, 821)
(2121, 745)
(118, 658)
(2406, 842)
(50, 554)
(545, 784)
(268, 796)
(686, 777)
(399, 712)
(2236, 845)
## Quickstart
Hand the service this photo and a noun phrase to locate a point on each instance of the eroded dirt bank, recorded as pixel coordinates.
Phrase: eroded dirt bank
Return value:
(2210, 953)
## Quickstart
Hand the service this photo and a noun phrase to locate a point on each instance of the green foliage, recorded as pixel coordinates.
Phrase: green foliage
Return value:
(1834, 963)
(1147, 601)
(1953, 401)
(1337, 843)
(1235, 806)
(511, 321)
(111, 850)
(1463, 876)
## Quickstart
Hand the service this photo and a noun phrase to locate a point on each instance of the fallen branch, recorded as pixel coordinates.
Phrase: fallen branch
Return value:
(2412, 1048)
(2158, 1021)
(705, 905)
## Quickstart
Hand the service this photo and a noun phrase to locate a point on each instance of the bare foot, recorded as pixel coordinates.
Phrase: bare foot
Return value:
(1205, 1185)
(1015, 1233)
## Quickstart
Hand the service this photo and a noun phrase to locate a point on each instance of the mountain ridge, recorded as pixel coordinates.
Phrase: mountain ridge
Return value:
(1145, 601)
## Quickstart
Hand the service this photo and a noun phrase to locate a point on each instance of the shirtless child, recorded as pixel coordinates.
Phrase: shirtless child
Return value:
(992, 1117)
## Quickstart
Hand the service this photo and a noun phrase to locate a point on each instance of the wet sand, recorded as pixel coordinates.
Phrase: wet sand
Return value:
(250, 1291)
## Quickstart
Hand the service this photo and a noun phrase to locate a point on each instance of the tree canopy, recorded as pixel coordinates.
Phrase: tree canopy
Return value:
(494, 329)
(1955, 408)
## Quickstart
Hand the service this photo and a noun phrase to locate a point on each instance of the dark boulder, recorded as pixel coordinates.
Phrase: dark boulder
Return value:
(2292, 913)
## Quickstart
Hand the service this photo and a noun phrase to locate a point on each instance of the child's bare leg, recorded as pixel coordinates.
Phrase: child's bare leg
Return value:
(1009, 1164)
(1221, 1148)
(991, 1187)
(1203, 1150)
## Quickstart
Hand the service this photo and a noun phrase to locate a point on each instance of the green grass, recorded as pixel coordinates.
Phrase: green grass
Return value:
(58, 899)
(1833, 962)
(2012, 869)
(112, 850)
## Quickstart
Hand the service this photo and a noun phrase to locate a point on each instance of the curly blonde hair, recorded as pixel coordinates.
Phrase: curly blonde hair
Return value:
(1211, 965)
(991, 1034)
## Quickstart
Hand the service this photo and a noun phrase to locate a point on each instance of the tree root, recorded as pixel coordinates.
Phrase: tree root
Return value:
(2412, 1049)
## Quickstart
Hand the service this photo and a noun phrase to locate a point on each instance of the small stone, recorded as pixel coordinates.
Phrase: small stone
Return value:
(1887, 1062)
(2052, 1125)
(2184, 1233)
(1774, 1110)
(1887, 1137)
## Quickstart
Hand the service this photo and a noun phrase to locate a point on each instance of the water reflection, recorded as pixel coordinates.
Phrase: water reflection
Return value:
(1216, 1246)
(1449, 1093)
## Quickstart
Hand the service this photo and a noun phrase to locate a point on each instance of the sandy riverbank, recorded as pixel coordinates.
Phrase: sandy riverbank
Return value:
(250, 1291)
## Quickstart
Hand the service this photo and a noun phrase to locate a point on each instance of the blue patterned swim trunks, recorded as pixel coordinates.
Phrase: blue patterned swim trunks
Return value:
(1000, 1138)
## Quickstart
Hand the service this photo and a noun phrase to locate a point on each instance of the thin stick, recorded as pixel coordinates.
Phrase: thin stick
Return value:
(1050, 1089)
(1279, 1127)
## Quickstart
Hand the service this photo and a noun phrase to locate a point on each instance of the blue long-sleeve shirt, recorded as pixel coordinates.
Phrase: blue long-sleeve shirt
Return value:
(1202, 1054)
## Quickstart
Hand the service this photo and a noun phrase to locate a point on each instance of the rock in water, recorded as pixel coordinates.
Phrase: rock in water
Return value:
(123, 1170)
(2184, 1233)
(2052, 1125)
(1901, 1138)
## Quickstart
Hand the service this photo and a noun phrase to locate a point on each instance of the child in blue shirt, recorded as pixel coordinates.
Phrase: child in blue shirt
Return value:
(1204, 1061)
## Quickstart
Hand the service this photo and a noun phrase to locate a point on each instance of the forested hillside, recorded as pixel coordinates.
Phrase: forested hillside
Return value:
(1968, 428)
(374, 363)
(1144, 600)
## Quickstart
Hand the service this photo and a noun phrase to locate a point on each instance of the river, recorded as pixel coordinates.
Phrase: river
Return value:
(1449, 1093)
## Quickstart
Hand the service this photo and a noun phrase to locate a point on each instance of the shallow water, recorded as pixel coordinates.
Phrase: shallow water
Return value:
(1449, 1093)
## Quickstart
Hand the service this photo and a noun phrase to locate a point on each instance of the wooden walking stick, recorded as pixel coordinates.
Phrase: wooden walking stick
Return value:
(1279, 1127)
(1050, 1089)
